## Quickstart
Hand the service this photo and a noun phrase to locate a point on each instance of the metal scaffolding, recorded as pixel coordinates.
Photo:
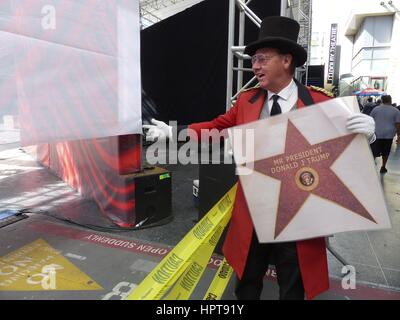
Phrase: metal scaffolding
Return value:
(236, 51)
(301, 11)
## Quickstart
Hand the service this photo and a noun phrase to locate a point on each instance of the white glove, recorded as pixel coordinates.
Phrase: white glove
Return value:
(362, 123)
(159, 131)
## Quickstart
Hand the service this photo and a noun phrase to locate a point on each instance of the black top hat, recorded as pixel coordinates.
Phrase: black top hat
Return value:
(281, 33)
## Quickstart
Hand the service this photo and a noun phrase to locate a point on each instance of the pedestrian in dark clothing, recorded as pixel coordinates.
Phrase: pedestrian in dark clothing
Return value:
(369, 106)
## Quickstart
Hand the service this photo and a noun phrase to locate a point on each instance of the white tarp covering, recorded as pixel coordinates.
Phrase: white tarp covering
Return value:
(70, 69)
(308, 176)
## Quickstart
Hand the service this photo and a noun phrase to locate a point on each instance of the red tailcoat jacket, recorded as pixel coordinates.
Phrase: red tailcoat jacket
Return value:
(311, 253)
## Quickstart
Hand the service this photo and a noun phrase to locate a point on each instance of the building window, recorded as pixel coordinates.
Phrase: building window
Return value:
(372, 47)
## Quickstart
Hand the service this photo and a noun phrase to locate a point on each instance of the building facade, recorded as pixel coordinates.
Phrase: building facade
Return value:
(373, 33)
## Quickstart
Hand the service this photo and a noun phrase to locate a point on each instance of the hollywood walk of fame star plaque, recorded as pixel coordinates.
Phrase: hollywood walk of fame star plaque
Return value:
(306, 176)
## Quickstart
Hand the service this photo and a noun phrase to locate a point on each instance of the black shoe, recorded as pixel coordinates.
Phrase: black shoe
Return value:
(383, 170)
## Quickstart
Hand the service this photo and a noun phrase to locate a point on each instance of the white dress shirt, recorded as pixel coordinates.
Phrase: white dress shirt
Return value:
(287, 100)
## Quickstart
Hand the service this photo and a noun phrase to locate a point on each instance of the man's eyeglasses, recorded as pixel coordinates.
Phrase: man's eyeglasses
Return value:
(261, 58)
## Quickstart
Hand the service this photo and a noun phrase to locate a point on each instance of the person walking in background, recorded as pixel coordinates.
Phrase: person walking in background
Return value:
(387, 124)
(369, 106)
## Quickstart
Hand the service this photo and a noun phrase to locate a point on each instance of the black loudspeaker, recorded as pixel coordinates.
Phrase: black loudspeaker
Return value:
(153, 197)
(215, 180)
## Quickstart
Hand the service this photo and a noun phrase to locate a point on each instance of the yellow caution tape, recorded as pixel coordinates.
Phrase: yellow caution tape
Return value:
(198, 264)
(219, 283)
(171, 268)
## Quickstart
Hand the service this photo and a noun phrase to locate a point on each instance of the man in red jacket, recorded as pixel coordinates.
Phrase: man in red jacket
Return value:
(301, 266)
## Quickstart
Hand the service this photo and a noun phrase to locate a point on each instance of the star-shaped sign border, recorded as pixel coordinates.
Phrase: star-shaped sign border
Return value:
(306, 169)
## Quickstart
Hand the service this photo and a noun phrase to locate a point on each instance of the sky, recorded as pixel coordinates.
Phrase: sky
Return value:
(326, 12)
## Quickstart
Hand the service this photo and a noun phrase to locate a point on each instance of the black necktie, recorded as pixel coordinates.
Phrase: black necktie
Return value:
(276, 108)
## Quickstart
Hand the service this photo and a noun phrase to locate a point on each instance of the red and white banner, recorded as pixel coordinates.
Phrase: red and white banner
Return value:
(70, 69)
(308, 176)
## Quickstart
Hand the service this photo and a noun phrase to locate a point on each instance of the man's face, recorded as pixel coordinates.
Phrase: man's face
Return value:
(271, 69)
